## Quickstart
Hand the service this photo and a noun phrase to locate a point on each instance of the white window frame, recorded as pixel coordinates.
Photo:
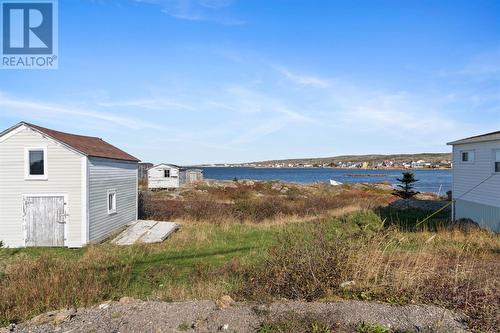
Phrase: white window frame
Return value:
(27, 175)
(472, 156)
(495, 161)
(111, 211)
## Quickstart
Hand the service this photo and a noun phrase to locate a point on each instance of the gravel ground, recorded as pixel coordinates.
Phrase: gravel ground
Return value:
(130, 315)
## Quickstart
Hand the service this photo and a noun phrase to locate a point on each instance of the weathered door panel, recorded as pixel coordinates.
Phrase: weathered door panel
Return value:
(44, 220)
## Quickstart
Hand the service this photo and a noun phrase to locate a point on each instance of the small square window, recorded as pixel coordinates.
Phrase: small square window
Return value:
(467, 156)
(111, 201)
(166, 173)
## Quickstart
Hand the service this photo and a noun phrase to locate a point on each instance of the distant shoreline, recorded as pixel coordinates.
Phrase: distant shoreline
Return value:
(312, 168)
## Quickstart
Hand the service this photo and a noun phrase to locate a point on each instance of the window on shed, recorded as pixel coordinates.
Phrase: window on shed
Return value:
(497, 161)
(166, 173)
(111, 201)
(36, 162)
(467, 156)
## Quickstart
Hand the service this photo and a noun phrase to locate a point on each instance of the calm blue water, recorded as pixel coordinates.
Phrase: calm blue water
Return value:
(429, 180)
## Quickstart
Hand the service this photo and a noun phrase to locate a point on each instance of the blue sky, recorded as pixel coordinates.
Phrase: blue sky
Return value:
(199, 81)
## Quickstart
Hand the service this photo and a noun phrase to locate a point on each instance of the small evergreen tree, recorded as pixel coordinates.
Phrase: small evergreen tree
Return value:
(405, 189)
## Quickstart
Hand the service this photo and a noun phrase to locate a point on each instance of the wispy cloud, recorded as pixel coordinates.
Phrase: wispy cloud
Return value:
(147, 103)
(482, 66)
(486, 65)
(197, 10)
(307, 80)
(28, 108)
(353, 108)
(242, 99)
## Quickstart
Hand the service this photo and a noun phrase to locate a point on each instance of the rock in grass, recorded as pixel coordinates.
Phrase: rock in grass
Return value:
(54, 317)
(127, 300)
(347, 284)
(225, 302)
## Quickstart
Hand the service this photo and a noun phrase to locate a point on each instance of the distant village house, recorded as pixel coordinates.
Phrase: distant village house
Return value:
(169, 176)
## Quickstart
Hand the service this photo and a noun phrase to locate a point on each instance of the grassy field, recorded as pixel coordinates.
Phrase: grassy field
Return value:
(290, 254)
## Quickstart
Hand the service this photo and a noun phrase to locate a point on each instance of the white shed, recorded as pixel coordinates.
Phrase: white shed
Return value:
(476, 179)
(165, 176)
(61, 189)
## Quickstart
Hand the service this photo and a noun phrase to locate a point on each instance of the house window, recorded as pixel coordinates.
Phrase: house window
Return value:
(467, 156)
(111, 201)
(497, 160)
(166, 173)
(35, 163)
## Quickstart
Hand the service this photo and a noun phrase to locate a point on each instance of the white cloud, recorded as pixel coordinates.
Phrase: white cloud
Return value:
(28, 108)
(148, 103)
(197, 10)
(307, 80)
(242, 99)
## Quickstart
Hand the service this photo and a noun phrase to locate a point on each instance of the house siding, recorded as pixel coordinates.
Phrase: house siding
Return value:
(64, 177)
(468, 176)
(105, 174)
(485, 215)
(476, 186)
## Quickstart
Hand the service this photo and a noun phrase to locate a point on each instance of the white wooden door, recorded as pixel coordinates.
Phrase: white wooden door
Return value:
(44, 220)
(192, 177)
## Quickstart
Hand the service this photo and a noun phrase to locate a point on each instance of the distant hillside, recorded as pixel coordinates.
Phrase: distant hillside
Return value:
(428, 157)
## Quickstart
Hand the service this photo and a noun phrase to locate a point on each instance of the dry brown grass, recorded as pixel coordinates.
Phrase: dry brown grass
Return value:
(214, 254)
(34, 285)
(259, 202)
(450, 268)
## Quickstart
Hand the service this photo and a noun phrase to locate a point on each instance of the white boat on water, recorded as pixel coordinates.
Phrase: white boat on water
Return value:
(335, 183)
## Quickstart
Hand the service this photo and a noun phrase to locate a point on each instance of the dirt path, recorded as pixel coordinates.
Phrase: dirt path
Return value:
(206, 316)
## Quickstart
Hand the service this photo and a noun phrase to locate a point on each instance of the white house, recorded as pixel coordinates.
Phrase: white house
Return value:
(476, 179)
(60, 189)
(165, 176)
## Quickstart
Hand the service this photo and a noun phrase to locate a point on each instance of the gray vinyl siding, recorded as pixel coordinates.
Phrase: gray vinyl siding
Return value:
(64, 170)
(104, 175)
(469, 178)
(476, 186)
(485, 215)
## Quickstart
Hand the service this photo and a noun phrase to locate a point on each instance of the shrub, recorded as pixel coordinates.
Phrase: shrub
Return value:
(242, 204)
(34, 285)
(452, 269)
(293, 322)
(305, 269)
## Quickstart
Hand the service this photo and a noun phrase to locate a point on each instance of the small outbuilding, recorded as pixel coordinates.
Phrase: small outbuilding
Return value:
(476, 179)
(61, 189)
(169, 176)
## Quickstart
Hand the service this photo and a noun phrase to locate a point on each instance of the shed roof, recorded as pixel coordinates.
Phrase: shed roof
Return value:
(168, 165)
(87, 145)
(493, 136)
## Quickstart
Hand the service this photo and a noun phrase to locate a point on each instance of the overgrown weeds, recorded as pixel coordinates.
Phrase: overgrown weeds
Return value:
(293, 322)
(453, 269)
(34, 285)
(256, 203)
(368, 255)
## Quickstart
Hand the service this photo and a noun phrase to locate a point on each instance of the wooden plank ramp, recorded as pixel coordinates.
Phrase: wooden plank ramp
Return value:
(146, 231)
